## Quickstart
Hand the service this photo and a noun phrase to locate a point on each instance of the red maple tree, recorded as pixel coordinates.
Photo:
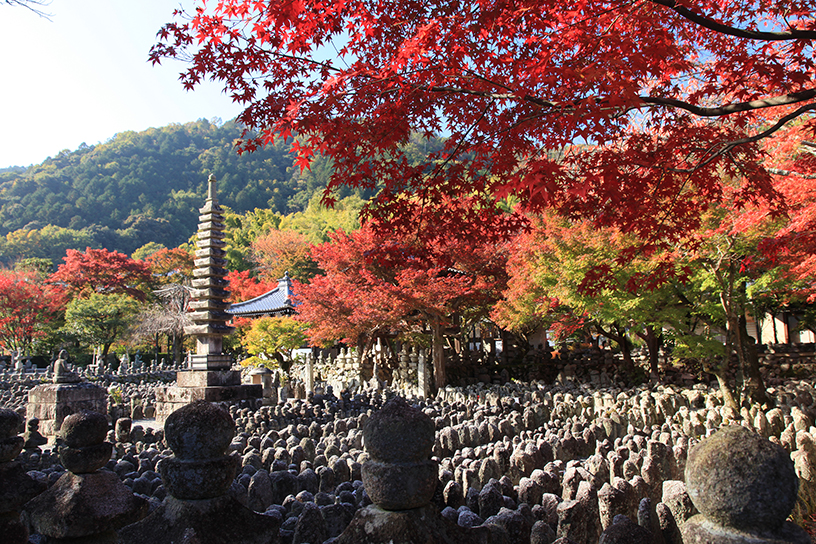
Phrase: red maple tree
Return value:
(243, 286)
(376, 286)
(170, 265)
(101, 271)
(27, 307)
(629, 113)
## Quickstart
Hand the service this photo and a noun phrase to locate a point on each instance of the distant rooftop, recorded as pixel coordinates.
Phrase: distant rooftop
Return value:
(277, 302)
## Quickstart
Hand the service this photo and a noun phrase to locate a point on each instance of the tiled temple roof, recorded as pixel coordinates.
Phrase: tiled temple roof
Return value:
(276, 302)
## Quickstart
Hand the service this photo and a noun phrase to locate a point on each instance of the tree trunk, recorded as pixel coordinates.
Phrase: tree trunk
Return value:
(755, 385)
(653, 342)
(622, 341)
(105, 349)
(728, 395)
(438, 355)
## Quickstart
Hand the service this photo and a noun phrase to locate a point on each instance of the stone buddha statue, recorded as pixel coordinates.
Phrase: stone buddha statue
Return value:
(61, 372)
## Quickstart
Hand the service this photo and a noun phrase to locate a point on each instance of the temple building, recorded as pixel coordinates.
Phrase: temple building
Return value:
(274, 303)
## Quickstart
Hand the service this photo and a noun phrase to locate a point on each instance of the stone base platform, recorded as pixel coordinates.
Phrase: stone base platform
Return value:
(210, 521)
(373, 525)
(208, 385)
(699, 530)
(51, 403)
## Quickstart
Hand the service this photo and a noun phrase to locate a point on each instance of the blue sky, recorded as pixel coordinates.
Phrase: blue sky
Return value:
(83, 76)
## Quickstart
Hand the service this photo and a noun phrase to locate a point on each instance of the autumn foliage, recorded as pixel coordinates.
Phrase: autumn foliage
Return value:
(170, 265)
(101, 271)
(626, 113)
(243, 286)
(377, 286)
(27, 307)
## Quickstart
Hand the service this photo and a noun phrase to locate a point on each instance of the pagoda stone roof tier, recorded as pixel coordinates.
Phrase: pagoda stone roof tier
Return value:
(210, 217)
(208, 329)
(210, 207)
(209, 271)
(209, 242)
(210, 235)
(212, 253)
(211, 225)
(210, 281)
(210, 261)
(208, 317)
(209, 304)
(209, 293)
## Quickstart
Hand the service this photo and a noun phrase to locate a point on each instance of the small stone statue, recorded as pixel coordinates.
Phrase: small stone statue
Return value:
(85, 503)
(33, 438)
(16, 487)
(61, 372)
(198, 476)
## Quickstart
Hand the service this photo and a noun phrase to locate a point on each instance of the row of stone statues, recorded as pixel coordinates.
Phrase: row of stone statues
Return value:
(90, 504)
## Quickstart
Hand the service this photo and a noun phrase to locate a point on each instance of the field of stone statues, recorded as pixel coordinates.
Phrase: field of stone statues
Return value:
(514, 463)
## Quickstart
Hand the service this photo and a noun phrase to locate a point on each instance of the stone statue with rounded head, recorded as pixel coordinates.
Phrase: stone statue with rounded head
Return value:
(61, 372)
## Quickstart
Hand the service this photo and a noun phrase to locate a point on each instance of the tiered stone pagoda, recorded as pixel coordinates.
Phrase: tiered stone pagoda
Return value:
(210, 376)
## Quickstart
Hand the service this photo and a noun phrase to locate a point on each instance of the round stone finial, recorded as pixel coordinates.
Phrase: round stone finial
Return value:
(10, 422)
(199, 430)
(85, 449)
(83, 429)
(740, 480)
(399, 433)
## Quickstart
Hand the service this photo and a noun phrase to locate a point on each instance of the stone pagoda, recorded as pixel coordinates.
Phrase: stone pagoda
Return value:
(210, 376)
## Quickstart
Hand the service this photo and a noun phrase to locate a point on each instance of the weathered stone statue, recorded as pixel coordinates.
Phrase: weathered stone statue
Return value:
(400, 478)
(33, 438)
(16, 487)
(85, 502)
(61, 372)
(744, 487)
(197, 478)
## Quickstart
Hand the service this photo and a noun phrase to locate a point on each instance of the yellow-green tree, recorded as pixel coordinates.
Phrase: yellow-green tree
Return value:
(271, 340)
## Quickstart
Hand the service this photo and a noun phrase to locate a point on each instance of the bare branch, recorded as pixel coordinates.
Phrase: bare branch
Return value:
(30, 5)
(711, 24)
(722, 148)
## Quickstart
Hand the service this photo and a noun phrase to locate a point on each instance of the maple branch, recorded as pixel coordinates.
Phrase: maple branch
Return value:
(779, 172)
(727, 109)
(783, 100)
(711, 24)
(725, 147)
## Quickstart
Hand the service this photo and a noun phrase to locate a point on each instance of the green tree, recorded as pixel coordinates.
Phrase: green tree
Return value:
(274, 338)
(100, 319)
(317, 222)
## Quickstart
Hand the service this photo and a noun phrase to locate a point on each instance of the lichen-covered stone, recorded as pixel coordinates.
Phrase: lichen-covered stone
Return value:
(399, 433)
(199, 479)
(744, 487)
(200, 430)
(81, 505)
(400, 486)
(738, 479)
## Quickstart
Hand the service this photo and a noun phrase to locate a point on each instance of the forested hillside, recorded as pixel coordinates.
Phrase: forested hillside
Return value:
(142, 187)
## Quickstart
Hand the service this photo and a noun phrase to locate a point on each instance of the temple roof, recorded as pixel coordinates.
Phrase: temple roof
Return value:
(276, 302)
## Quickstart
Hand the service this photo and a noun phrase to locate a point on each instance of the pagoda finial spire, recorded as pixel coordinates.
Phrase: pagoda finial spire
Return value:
(211, 187)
